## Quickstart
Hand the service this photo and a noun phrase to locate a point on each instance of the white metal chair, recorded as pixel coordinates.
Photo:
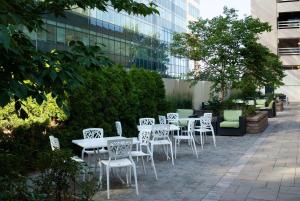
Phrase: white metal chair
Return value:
(187, 135)
(160, 135)
(119, 152)
(55, 145)
(162, 119)
(144, 140)
(146, 121)
(92, 133)
(172, 118)
(208, 115)
(205, 126)
(119, 128)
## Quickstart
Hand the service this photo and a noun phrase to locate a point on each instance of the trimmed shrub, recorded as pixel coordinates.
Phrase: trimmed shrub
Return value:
(113, 94)
(109, 94)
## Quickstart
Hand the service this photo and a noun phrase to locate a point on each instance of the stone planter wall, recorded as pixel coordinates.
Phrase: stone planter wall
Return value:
(257, 123)
(279, 106)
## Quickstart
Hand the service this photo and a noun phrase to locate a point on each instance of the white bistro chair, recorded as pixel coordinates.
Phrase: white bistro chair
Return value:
(144, 141)
(119, 153)
(205, 126)
(162, 119)
(172, 118)
(146, 121)
(160, 135)
(187, 135)
(55, 145)
(119, 128)
(92, 133)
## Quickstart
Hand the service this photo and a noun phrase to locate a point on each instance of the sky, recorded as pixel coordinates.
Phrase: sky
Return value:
(212, 8)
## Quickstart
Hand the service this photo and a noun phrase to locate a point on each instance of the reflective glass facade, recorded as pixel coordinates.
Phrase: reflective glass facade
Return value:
(129, 40)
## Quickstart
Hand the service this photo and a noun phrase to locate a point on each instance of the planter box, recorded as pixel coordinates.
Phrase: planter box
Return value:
(279, 106)
(257, 123)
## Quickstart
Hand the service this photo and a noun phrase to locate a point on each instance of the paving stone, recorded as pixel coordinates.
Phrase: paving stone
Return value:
(263, 194)
(249, 168)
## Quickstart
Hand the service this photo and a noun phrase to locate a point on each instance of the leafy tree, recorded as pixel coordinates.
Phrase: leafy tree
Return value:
(25, 71)
(262, 68)
(222, 44)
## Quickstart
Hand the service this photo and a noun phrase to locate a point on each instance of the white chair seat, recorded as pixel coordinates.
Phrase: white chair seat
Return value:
(101, 151)
(118, 163)
(138, 153)
(135, 140)
(202, 130)
(182, 137)
(159, 142)
(77, 159)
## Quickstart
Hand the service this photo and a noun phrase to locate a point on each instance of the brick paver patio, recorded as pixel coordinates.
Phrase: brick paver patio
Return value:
(248, 168)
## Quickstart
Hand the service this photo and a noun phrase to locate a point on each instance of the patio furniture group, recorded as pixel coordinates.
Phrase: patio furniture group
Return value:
(117, 151)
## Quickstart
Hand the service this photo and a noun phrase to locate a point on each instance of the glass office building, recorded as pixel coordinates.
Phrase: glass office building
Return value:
(128, 40)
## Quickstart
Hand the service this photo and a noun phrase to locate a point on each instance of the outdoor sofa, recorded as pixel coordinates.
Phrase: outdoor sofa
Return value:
(232, 123)
(261, 105)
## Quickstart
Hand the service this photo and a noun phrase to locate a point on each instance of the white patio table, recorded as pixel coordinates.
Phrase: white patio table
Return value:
(149, 127)
(96, 143)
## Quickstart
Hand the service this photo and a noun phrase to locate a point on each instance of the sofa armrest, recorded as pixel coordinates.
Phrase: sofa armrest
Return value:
(242, 122)
(219, 120)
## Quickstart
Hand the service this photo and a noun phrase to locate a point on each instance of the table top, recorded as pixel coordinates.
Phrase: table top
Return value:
(149, 127)
(94, 143)
(189, 118)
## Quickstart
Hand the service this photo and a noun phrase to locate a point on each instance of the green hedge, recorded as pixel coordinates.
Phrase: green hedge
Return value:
(112, 94)
(109, 94)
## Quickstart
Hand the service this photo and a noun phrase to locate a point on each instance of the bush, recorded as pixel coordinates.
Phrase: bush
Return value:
(180, 102)
(37, 114)
(108, 94)
(113, 94)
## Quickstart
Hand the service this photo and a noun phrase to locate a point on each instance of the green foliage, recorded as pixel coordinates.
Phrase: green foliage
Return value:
(27, 72)
(58, 171)
(37, 114)
(15, 188)
(149, 87)
(249, 110)
(111, 94)
(228, 49)
(180, 102)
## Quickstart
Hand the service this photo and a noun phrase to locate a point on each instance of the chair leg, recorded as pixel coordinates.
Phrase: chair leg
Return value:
(195, 148)
(130, 175)
(154, 169)
(213, 135)
(135, 179)
(152, 147)
(171, 153)
(100, 175)
(107, 182)
(144, 165)
(82, 154)
(127, 176)
(175, 147)
(201, 139)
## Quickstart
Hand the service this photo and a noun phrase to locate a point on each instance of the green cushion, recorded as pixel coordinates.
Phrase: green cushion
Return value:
(250, 102)
(260, 106)
(232, 115)
(183, 123)
(237, 101)
(271, 105)
(184, 113)
(261, 102)
(229, 124)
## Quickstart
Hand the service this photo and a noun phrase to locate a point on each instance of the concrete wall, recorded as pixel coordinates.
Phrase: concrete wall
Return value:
(266, 11)
(198, 93)
(292, 85)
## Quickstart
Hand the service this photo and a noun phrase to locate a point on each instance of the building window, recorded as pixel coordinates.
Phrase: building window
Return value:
(193, 11)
